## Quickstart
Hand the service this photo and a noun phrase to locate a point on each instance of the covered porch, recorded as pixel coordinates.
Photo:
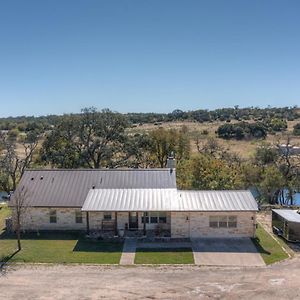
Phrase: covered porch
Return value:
(130, 212)
(129, 224)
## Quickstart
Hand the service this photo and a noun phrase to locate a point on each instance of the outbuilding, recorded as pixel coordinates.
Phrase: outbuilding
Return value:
(286, 222)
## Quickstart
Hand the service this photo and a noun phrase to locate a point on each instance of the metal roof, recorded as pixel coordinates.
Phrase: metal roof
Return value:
(217, 201)
(168, 200)
(69, 188)
(130, 200)
(288, 214)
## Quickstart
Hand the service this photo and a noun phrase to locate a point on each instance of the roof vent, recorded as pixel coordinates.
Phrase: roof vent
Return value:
(32, 178)
(93, 187)
(42, 177)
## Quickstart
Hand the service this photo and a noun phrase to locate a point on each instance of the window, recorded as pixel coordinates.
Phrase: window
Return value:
(213, 222)
(155, 217)
(162, 217)
(107, 216)
(232, 221)
(53, 217)
(78, 216)
(223, 221)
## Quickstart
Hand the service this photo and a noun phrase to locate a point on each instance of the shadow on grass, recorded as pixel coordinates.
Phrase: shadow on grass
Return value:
(259, 247)
(44, 235)
(84, 245)
(5, 259)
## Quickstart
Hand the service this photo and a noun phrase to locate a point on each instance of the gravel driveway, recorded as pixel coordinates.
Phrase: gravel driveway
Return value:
(280, 281)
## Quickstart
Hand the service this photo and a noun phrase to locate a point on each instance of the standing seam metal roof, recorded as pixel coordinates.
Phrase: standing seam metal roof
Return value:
(168, 200)
(69, 188)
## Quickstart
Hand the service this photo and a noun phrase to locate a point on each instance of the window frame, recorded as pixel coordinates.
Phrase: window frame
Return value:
(78, 217)
(219, 221)
(155, 217)
(105, 216)
(53, 216)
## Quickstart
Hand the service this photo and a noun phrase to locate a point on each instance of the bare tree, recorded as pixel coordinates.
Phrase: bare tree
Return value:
(19, 203)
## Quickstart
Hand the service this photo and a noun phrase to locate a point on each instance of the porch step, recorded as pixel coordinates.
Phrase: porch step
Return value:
(128, 253)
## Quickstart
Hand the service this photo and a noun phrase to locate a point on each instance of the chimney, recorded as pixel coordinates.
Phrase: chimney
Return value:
(171, 162)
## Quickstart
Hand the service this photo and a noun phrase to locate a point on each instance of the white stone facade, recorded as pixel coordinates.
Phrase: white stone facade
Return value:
(196, 225)
(183, 224)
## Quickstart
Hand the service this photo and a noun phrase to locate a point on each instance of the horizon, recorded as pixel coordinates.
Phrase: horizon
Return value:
(132, 56)
(150, 112)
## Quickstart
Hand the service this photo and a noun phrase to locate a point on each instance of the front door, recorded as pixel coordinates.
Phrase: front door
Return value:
(133, 220)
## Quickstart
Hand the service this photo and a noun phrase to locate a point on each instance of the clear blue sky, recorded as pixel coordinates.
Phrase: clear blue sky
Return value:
(58, 56)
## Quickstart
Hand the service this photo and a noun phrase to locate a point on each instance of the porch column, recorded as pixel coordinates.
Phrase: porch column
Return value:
(87, 223)
(116, 223)
(144, 223)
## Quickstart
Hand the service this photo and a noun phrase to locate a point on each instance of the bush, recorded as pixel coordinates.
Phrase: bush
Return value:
(296, 130)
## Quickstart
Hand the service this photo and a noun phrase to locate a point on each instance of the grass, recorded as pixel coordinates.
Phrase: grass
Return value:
(56, 247)
(164, 256)
(270, 250)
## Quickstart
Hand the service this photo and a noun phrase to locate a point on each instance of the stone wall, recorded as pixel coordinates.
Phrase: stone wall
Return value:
(196, 225)
(39, 219)
(183, 224)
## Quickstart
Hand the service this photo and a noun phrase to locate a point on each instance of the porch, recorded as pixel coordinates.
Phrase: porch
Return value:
(128, 224)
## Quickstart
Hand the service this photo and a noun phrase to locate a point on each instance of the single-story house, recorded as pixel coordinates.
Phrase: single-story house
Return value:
(126, 200)
(286, 222)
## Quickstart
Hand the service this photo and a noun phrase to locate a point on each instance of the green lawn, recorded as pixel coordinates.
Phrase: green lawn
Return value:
(164, 256)
(57, 247)
(269, 249)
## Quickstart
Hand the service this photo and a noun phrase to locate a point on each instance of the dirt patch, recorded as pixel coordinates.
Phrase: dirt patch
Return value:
(279, 281)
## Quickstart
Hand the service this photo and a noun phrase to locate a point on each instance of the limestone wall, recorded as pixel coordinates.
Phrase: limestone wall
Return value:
(196, 224)
(39, 219)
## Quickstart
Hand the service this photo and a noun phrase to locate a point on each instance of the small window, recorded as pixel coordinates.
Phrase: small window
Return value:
(232, 221)
(153, 217)
(53, 217)
(78, 216)
(162, 217)
(107, 216)
(213, 221)
(223, 221)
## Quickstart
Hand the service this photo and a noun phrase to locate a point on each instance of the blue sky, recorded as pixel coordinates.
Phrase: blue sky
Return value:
(58, 56)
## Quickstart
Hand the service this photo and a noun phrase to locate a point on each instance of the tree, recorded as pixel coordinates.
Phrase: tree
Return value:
(164, 142)
(272, 183)
(13, 163)
(205, 172)
(92, 139)
(19, 203)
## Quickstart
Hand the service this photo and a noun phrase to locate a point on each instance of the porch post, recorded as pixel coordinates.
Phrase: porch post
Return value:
(144, 223)
(116, 223)
(87, 223)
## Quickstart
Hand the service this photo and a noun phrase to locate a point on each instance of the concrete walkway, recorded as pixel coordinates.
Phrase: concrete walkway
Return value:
(128, 253)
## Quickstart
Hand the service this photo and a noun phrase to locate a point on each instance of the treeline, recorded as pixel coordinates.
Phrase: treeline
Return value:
(25, 124)
(223, 114)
